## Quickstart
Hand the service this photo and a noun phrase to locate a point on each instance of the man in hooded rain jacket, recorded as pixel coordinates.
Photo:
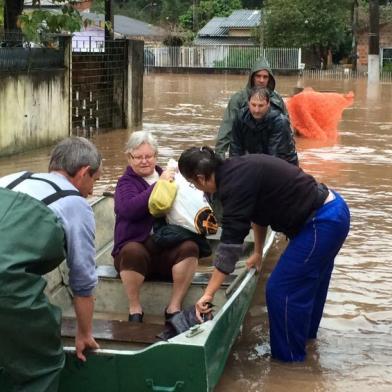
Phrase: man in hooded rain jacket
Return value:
(43, 218)
(260, 76)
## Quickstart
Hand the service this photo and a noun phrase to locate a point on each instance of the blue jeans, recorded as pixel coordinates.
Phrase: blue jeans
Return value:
(297, 288)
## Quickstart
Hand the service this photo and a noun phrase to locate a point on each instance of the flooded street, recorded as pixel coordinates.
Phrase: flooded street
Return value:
(353, 351)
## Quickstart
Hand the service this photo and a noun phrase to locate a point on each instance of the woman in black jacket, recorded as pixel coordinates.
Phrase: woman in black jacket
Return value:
(262, 191)
(260, 128)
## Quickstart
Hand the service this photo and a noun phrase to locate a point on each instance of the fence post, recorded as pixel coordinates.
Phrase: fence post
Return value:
(133, 92)
(67, 47)
(299, 58)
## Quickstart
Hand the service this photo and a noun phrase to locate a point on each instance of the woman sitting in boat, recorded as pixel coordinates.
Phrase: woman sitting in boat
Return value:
(268, 191)
(136, 256)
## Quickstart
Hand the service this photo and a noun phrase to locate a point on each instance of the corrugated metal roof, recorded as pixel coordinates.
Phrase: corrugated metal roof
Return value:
(232, 41)
(128, 26)
(243, 18)
(48, 3)
(134, 27)
(214, 28)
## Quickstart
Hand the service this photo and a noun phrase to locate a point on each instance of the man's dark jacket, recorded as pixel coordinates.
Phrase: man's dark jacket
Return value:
(239, 100)
(272, 135)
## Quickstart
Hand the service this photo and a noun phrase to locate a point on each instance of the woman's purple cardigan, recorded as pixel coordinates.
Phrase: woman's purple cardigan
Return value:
(133, 220)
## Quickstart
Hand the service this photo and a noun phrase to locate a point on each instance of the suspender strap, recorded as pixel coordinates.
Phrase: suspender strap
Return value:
(54, 186)
(23, 177)
(60, 193)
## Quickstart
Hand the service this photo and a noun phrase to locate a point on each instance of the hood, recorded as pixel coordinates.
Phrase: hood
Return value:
(260, 64)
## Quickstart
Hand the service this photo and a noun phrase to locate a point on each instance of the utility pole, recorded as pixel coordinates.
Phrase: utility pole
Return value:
(374, 42)
(194, 16)
(109, 24)
(354, 26)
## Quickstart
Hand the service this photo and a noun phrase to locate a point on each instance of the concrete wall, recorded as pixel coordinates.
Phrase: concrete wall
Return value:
(33, 111)
(133, 94)
(34, 108)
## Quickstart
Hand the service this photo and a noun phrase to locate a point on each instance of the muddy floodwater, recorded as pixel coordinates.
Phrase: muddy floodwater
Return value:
(353, 351)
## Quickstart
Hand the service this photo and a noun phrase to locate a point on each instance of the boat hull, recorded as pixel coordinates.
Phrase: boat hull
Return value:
(186, 363)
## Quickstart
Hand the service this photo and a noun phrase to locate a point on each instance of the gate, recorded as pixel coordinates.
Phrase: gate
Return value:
(99, 77)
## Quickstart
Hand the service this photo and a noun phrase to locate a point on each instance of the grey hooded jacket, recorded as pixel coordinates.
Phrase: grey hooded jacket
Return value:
(240, 100)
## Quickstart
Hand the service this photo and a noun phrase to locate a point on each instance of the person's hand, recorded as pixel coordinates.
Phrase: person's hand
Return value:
(254, 261)
(203, 306)
(168, 174)
(82, 343)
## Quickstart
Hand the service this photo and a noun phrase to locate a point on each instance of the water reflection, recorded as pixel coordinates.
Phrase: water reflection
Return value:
(354, 348)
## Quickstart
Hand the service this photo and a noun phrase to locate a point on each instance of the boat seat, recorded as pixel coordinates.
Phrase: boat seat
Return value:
(116, 330)
(200, 278)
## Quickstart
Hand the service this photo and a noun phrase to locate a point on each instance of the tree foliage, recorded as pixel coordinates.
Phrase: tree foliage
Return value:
(304, 23)
(317, 25)
(37, 25)
(1, 14)
(204, 10)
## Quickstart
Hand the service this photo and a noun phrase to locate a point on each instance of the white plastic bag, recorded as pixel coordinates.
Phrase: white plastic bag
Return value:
(191, 209)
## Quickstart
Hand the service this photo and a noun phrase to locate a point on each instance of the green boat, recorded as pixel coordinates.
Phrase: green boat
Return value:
(131, 357)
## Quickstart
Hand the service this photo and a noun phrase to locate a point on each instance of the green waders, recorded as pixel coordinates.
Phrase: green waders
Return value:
(31, 244)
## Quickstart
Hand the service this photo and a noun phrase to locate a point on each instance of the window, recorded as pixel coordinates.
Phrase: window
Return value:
(387, 59)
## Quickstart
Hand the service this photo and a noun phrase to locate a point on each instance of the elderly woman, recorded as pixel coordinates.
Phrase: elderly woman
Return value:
(136, 255)
(269, 191)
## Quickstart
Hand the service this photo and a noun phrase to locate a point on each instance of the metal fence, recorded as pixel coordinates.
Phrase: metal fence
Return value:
(98, 82)
(340, 73)
(86, 41)
(18, 55)
(223, 56)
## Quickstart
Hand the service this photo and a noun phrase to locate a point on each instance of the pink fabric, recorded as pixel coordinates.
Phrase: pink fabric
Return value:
(316, 115)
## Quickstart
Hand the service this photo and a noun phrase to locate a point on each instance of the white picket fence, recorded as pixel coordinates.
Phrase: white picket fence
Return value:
(223, 56)
(339, 72)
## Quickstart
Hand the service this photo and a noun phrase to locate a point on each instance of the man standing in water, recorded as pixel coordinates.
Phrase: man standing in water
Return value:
(260, 76)
(260, 128)
(45, 217)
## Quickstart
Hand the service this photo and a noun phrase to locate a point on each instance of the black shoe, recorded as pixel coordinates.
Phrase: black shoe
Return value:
(168, 316)
(136, 317)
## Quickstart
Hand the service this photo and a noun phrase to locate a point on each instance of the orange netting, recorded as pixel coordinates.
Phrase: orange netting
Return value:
(316, 115)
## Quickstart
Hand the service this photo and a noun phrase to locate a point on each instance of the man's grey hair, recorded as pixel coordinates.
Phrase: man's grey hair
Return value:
(141, 137)
(72, 154)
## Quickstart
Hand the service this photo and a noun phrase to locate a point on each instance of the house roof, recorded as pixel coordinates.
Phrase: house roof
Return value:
(243, 19)
(48, 3)
(234, 41)
(127, 26)
(134, 27)
(217, 30)
(214, 28)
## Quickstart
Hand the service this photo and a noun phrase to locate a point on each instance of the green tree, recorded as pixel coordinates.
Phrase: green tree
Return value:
(98, 6)
(252, 4)
(37, 26)
(1, 14)
(317, 25)
(203, 11)
(37, 23)
(171, 11)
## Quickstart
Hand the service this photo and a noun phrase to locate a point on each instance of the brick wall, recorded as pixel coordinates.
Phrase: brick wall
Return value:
(363, 42)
